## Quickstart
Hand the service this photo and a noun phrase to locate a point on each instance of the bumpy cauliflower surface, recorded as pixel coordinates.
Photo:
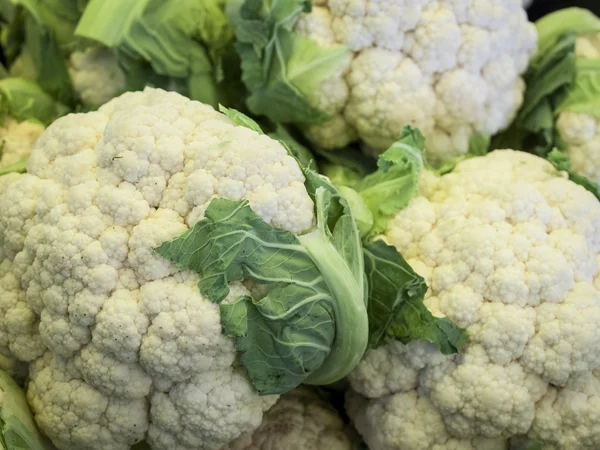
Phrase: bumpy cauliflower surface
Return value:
(96, 75)
(511, 251)
(448, 67)
(122, 345)
(581, 131)
(300, 420)
(17, 139)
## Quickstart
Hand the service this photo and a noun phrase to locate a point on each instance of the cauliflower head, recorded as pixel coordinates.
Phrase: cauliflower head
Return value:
(96, 75)
(300, 420)
(510, 249)
(450, 68)
(17, 139)
(580, 130)
(121, 344)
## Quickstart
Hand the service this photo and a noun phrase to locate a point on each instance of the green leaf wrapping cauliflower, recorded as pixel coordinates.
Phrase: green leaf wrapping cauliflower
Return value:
(579, 124)
(25, 110)
(358, 69)
(300, 420)
(184, 45)
(41, 46)
(510, 249)
(560, 111)
(122, 338)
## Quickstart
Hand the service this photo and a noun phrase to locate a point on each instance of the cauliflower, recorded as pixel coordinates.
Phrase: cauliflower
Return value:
(96, 75)
(25, 110)
(17, 139)
(510, 249)
(579, 130)
(300, 420)
(366, 68)
(121, 343)
(559, 116)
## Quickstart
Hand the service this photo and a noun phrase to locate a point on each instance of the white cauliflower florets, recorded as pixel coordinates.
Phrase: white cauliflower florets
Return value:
(17, 139)
(96, 75)
(300, 420)
(448, 67)
(510, 250)
(581, 131)
(123, 346)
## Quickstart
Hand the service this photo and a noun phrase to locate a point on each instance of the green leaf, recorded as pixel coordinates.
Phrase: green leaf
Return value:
(282, 71)
(396, 307)
(562, 162)
(390, 189)
(25, 100)
(288, 334)
(341, 175)
(362, 213)
(41, 34)
(312, 325)
(49, 62)
(584, 95)
(18, 167)
(186, 40)
(567, 20)
(241, 119)
(351, 161)
(479, 144)
(17, 428)
(548, 82)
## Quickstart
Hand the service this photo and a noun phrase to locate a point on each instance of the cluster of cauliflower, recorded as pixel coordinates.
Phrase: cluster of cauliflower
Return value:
(511, 251)
(450, 68)
(122, 346)
(581, 131)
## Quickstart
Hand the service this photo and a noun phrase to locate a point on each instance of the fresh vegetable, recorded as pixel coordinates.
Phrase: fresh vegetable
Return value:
(300, 420)
(122, 337)
(96, 76)
(185, 45)
(167, 270)
(37, 38)
(25, 110)
(343, 71)
(17, 428)
(41, 46)
(560, 110)
(509, 248)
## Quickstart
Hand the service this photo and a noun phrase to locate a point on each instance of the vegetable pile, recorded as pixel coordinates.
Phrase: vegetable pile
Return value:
(323, 225)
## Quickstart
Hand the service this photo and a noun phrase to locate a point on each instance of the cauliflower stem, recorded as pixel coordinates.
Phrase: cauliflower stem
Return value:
(347, 288)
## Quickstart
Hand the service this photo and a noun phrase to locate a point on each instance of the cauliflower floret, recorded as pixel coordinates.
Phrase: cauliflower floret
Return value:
(510, 249)
(122, 345)
(300, 420)
(17, 139)
(96, 75)
(449, 67)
